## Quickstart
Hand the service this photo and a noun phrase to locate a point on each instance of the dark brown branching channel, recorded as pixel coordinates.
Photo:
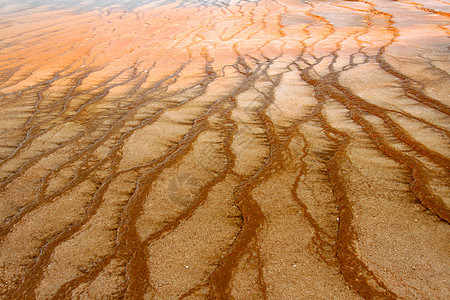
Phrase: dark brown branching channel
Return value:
(267, 149)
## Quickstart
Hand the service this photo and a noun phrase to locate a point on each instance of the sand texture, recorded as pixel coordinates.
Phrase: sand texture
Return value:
(266, 149)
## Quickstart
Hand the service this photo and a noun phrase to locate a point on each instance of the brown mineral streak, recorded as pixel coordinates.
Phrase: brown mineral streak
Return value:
(110, 115)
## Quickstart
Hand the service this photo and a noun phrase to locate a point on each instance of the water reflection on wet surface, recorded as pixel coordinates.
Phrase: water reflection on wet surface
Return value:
(217, 149)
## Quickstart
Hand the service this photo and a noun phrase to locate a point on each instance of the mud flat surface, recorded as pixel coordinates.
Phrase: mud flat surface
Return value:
(224, 150)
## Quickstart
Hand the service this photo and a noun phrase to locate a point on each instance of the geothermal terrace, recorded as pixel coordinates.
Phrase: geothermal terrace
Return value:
(272, 149)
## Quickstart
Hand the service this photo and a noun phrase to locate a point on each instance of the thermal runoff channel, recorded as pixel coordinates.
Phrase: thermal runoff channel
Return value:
(291, 149)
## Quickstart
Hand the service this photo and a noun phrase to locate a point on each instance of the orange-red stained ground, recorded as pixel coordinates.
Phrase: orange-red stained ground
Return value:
(267, 149)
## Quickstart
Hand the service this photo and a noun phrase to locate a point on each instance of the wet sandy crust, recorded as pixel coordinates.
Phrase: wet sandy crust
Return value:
(225, 150)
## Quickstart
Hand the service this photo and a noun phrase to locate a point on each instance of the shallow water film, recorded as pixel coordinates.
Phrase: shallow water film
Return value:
(272, 149)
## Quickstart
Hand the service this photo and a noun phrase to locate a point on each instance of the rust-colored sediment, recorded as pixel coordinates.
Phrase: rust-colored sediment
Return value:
(225, 150)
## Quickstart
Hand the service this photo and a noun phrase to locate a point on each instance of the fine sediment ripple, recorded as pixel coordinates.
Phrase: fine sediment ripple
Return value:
(224, 149)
